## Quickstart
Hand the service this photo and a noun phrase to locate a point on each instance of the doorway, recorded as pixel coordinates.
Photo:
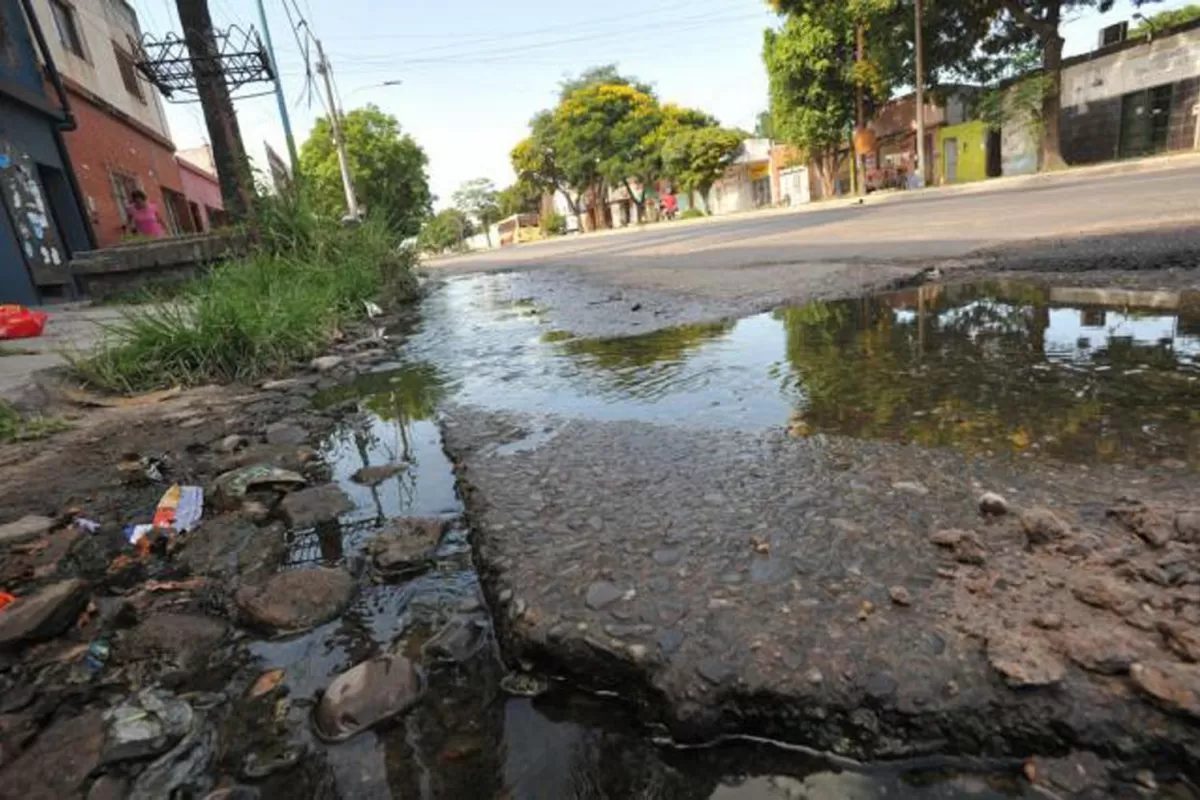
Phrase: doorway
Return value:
(951, 157)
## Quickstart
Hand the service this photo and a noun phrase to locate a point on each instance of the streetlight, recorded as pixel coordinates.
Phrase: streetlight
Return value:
(396, 82)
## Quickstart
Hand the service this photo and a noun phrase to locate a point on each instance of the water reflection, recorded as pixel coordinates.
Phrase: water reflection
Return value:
(1001, 368)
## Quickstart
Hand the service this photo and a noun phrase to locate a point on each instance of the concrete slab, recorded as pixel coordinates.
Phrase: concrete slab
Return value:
(70, 328)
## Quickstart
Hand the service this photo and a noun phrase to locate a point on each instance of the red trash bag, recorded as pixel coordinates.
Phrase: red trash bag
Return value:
(18, 322)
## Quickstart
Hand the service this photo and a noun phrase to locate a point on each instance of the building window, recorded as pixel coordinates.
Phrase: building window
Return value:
(68, 31)
(129, 72)
(123, 187)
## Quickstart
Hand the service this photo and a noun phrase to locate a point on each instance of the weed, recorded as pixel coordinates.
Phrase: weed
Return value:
(16, 428)
(258, 315)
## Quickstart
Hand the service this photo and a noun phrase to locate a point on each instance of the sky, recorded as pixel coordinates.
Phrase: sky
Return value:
(474, 72)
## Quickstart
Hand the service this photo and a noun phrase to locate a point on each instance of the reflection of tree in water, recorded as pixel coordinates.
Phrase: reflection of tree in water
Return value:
(967, 367)
(645, 366)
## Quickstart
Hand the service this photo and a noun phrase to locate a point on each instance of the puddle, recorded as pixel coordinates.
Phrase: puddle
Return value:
(1003, 369)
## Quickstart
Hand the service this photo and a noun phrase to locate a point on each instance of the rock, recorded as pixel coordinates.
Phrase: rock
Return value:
(1154, 525)
(310, 507)
(667, 556)
(602, 594)
(256, 512)
(714, 670)
(326, 363)
(1182, 638)
(185, 640)
(1187, 525)
(900, 596)
(1048, 620)
(281, 433)
(813, 676)
(230, 545)
(145, 725)
(407, 544)
(28, 527)
(1076, 775)
(59, 760)
(373, 476)
(1175, 686)
(1024, 661)
(367, 694)
(183, 772)
(970, 550)
(297, 600)
(993, 505)
(108, 787)
(1042, 526)
(234, 793)
(43, 615)
(232, 443)
(948, 538)
(286, 384)
(1108, 652)
(1104, 591)
(459, 641)
(911, 487)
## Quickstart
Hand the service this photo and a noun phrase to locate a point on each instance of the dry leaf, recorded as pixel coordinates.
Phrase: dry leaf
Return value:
(266, 683)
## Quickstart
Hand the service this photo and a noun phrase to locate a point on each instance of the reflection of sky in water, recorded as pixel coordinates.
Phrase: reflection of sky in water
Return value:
(1072, 330)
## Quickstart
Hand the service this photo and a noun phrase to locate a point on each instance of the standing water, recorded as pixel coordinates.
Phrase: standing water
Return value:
(1004, 370)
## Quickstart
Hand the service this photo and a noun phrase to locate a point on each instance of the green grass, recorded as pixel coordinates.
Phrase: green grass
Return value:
(16, 428)
(256, 316)
(692, 213)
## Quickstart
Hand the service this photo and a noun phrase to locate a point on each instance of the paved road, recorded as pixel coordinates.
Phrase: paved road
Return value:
(786, 255)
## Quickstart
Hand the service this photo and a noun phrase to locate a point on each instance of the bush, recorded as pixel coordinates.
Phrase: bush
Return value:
(262, 314)
(692, 213)
(554, 224)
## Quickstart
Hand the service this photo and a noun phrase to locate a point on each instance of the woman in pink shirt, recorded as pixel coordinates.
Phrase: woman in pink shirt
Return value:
(144, 218)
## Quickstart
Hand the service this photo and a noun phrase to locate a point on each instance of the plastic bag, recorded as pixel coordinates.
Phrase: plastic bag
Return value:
(18, 322)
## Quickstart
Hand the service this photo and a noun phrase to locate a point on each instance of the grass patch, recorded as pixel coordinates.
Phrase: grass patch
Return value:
(258, 315)
(693, 213)
(17, 428)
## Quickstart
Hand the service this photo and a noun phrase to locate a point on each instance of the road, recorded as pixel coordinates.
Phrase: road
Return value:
(777, 256)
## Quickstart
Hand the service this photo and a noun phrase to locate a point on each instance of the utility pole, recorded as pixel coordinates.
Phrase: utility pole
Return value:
(920, 45)
(229, 155)
(279, 98)
(860, 113)
(335, 122)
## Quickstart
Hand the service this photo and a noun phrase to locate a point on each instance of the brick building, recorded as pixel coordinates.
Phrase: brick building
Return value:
(122, 142)
(201, 189)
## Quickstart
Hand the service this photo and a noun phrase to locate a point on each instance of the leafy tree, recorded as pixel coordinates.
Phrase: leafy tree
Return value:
(538, 163)
(814, 75)
(604, 75)
(479, 201)
(520, 198)
(764, 126)
(388, 168)
(444, 231)
(1165, 19)
(697, 158)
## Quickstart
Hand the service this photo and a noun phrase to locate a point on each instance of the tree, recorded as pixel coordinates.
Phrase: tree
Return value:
(521, 197)
(478, 200)
(1163, 20)
(536, 162)
(697, 158)
(388, 168)
(603, 75)
(814, 76)
(764, 125)
(444, 231)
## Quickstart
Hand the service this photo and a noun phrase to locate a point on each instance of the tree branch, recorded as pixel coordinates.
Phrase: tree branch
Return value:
(1023, 15)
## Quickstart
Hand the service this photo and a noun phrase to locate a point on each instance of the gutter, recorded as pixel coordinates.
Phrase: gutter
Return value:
(68, 122)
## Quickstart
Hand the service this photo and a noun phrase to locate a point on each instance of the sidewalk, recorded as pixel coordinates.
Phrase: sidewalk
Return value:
(69, 328)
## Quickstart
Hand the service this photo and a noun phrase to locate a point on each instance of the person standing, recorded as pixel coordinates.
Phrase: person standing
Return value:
(143, 217)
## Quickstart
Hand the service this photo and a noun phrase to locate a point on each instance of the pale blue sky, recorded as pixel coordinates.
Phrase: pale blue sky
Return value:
(475, 71)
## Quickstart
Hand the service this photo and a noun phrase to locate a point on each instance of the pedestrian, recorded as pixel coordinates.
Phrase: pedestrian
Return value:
(143, 217)
(670, 205)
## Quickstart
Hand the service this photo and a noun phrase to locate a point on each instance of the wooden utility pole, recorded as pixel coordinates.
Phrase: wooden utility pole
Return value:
(920, 46)
(860, 112)
(229, 155)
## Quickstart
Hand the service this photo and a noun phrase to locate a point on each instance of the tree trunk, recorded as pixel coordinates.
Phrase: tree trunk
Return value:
(1052, 54)
(487, 231)
(826, 165)
(640, 205)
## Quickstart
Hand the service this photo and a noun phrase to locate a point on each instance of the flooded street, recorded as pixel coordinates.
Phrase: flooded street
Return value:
(993, 371)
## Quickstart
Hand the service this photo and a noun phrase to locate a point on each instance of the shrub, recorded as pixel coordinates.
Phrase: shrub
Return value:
(692, 213)
(554, 224)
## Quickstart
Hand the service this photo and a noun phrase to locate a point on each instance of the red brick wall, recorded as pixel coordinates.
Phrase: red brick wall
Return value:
(104, 144)
(202, 189)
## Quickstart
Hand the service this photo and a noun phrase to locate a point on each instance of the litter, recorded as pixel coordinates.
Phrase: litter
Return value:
(87, 525)
(6, 598)
(180, 509)
(97, 655)
(137, 467)
(18, 322)
(265, 683)
(373, 310)
(235, 484)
